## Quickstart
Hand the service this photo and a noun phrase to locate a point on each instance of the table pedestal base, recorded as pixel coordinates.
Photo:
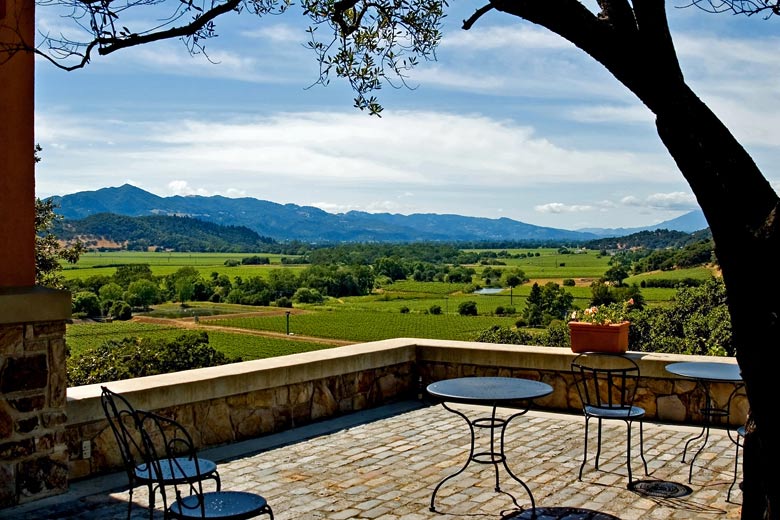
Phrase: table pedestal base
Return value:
(495, 456)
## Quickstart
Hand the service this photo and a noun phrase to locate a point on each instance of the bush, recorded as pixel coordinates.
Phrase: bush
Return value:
(232, 262)
(505, 335)
(569, 282)
(404, 310)
(256, 260)
(128, 358)
(121, 310)
(467, 308)
(506, 311)
(87, 303)
(435, 309)
(284, 302)
(307, 295)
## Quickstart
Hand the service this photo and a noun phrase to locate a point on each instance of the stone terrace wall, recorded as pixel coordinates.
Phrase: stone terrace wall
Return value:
(33, 454)
(226, 404)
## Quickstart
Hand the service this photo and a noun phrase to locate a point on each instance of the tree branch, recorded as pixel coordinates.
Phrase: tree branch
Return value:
(109, 45)
(476, 16)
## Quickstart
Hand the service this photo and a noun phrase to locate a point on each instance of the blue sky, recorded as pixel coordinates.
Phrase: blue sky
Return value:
(509, 121)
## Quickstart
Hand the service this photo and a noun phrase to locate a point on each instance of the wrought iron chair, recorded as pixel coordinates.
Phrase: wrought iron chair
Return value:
(739, 443)
(168, 449)
(737, 436)
(607, 385)
(123, 420)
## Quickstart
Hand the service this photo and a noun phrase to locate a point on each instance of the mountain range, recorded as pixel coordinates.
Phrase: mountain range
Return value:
(285, 222)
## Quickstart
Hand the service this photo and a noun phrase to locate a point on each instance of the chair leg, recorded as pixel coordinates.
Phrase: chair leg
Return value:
(269, 512)
(151, 501)
(628, 451)
(642, 445)
(736, 464)
(585, 454)
(598, 446)
(130, 501)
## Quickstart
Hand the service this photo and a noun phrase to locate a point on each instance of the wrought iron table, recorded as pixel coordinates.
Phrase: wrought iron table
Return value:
(706, 373)
(511, 392)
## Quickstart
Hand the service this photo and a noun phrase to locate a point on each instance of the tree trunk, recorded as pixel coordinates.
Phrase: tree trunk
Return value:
(634, 43)
(740, 207)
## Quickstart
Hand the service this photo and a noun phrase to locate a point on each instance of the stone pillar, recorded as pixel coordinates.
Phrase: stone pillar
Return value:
(33, 387)
(17, 141)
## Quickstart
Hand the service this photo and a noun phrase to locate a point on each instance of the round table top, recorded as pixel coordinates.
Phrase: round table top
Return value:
(488, 389)
(706, 371)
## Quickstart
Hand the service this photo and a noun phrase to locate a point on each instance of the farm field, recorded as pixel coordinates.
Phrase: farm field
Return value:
(162, 264)
(360, 326)
(398, 309)
(83, 337)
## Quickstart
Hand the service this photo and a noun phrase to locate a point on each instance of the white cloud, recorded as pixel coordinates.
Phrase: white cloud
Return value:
(557, 207)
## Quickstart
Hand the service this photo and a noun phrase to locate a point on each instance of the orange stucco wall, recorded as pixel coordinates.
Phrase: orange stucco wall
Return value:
(17, 140)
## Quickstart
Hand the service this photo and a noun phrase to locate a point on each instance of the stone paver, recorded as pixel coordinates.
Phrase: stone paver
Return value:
(388, 468)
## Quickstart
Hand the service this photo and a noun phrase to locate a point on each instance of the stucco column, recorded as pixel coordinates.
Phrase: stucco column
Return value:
(33, 449)
(17, 140)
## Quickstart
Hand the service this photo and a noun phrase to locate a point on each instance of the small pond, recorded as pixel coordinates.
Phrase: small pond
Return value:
(489, 290)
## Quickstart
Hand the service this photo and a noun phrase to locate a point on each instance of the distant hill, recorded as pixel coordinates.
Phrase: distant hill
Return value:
(288, 222)
(307, 224)
(688, 223)
(652, 239)
(173, 233)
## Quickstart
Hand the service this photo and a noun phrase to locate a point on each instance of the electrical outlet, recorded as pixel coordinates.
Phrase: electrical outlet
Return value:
(86, 449)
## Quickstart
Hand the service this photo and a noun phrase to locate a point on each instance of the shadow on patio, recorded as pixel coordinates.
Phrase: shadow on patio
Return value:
(385, 462)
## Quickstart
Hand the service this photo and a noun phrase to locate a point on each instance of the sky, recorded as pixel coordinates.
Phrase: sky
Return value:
(508, 121)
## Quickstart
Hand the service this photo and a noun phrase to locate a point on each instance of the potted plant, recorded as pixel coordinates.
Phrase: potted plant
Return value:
(602, 328)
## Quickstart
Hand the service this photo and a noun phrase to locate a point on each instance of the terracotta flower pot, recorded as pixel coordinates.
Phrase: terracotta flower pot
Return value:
(590, 337)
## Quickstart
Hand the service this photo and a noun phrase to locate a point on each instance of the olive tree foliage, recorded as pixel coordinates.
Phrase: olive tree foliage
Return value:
(365, 42)
(765, 8)
(49, 253)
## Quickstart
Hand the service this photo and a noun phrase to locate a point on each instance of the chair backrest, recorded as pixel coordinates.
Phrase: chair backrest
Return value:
(606, 382)
(122, 418)
(169, 450)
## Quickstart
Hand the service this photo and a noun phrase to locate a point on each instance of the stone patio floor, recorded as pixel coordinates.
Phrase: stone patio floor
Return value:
(384, 463)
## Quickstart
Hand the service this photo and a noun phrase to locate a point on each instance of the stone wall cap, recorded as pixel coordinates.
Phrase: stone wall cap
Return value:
(33, 304)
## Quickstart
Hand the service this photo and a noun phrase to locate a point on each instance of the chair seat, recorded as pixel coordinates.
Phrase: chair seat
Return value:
(635, 412)
(220, 504)
(181, 471)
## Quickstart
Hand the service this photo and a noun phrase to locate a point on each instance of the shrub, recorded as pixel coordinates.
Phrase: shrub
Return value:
(121, 310)
(307, 295)
(500, 310)
(128, 358)
(256, 260)
(568, 282)
(467, 308)
(232, 262)
(87, 303)
(505, 335)
(404, 309)
(435, 309)
(284, 302)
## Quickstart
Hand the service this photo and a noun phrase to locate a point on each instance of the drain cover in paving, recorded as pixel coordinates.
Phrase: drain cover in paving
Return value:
(561, 513)
(659, 488)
